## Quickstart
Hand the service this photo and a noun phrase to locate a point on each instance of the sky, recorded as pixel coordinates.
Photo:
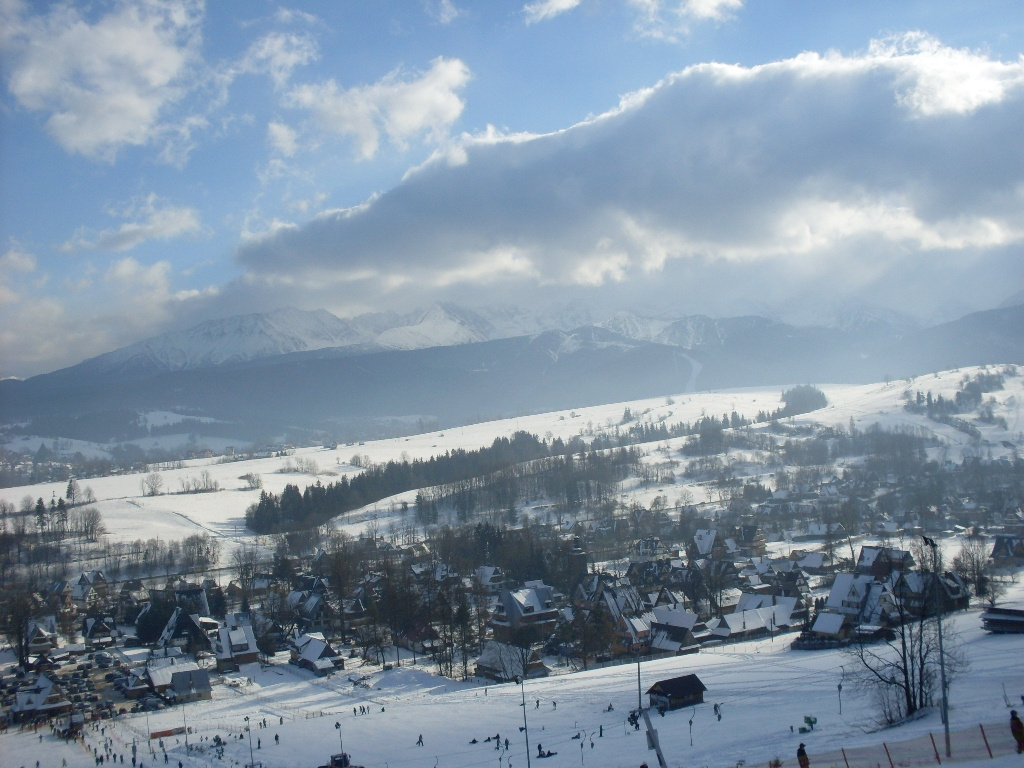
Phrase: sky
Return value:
(167, 162)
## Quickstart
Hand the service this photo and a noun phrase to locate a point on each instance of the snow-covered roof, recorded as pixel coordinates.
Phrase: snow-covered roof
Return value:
(674, 616)
(828, 623)
(704, 539)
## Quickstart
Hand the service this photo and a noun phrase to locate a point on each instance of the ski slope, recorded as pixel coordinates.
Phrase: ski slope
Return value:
(763, 689)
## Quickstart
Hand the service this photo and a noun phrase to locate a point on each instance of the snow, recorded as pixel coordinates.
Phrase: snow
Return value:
(762, 688)
(127, 514)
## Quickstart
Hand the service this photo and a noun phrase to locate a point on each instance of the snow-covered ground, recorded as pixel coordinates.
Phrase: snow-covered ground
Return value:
(128, 514)
(763, 689)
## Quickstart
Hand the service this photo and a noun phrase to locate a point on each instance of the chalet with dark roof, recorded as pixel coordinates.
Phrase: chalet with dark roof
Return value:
(676, 692)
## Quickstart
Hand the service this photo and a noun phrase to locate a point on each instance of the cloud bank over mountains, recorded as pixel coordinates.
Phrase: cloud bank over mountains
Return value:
(893, 176)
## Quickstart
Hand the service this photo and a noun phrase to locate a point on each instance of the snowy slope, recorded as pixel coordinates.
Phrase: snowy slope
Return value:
(126, 512)
(763, 689)
(440, 325)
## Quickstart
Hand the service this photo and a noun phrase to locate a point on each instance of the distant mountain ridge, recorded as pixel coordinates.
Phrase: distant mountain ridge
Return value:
(256, 336)
(261, 375)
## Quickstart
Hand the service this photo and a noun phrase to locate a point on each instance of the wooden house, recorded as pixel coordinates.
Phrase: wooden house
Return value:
(676, 692)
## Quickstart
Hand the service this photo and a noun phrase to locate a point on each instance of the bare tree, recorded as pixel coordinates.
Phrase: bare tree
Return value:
(245, 560)
(971, 564)
(152, 484)
(902, 674)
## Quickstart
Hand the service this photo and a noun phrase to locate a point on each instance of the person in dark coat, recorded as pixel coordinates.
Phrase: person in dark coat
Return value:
(801, 757)
(1017, 729)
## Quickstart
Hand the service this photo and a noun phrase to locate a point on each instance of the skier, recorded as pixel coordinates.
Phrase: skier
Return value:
(801, 757)
(277, 739)
(1017, 729)
(419, 741)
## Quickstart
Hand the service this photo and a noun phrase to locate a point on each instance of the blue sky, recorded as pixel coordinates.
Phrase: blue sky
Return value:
(163, 163)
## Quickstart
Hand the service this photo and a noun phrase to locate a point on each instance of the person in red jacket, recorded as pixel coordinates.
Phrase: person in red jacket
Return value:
(801, 757)
(1017, 729)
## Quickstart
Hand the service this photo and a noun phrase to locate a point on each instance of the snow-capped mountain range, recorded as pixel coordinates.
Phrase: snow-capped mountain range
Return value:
(244, 338)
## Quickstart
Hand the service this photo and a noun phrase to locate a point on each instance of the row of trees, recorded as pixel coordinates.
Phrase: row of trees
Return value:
(493, 477)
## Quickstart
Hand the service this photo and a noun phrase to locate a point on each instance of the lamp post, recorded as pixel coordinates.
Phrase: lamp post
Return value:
(942, 655)
(252, 760)
(191, 694)
(521, 681)
(341, 743)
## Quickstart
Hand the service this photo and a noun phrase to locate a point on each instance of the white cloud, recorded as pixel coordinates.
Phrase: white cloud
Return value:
(150, 219)
(666, 20)
(282, 139)
(15, 263)
(105, 83)
(277, 54)
(443, 11)
(293, 15)
(947, 80)
(547, 9)
(400, 106)
(811, 177)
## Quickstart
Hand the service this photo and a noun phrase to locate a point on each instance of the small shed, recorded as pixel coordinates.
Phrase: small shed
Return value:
(677, 692)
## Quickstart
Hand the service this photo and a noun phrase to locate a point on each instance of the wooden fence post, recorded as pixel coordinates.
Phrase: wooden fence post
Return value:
(886, 747)
(986, 740)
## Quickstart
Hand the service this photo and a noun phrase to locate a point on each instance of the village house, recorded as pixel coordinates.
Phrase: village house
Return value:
(503, 662)
(42, 700)
(312, 651)
(532, 609)
(676, 692)
(236, 643)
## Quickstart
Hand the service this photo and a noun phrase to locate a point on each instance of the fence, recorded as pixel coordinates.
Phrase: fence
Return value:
(982, 742)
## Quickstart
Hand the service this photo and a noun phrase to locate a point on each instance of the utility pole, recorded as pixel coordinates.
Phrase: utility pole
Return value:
(639, 696)
(942, 655)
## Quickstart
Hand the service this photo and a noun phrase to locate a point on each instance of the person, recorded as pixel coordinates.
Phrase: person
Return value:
(277, 739)
(506, 744)
(554, 704)
(1017, 729)
(419, 741)
(801, 756)
(537, 707)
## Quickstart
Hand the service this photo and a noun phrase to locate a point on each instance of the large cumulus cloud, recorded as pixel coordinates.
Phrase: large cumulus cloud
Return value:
(812, 179)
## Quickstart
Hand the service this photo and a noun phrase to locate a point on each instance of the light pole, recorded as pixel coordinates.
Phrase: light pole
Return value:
(341, 743)
(521, 681)
(252, 760)
(942, 654)
(191, 693)
(583, 741)
(840, 687)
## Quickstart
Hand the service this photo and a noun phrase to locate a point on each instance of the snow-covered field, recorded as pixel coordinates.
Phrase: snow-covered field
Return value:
(128, 514)
(763, 689)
